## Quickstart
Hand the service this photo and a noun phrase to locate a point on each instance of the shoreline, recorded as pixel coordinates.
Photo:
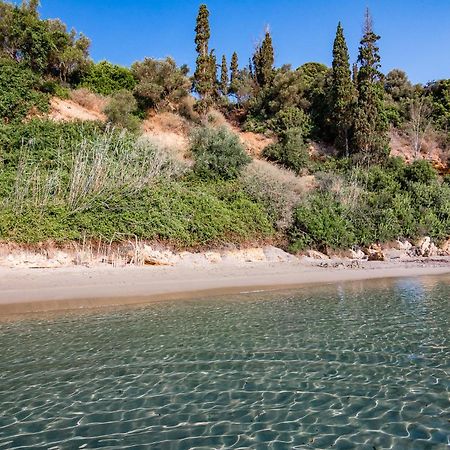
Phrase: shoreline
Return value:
(28, 290)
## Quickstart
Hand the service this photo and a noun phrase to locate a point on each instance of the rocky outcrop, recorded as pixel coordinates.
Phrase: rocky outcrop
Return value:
(375, 253)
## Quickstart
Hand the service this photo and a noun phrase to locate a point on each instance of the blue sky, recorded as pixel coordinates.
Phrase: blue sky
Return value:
(415, 33)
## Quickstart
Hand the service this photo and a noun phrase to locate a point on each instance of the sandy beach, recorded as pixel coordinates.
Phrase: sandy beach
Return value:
(24, 290)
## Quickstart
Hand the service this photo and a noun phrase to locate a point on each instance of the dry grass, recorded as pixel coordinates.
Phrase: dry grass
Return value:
(89, 100)
(279, 189)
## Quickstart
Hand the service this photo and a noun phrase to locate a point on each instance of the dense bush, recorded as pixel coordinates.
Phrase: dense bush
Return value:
(217, 153)
(421, 171)
(160, 83)
(19, 93)
(105, 78)
(186, 215)
(373, 205)
(70, 181)
(44, 140)
(120, 111)
(291, 119)
(291, 151)
(278, 189)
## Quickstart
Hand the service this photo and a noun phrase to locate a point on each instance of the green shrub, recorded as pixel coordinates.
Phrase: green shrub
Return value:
(55, 89)
(278, 189)
(421, 171)
(217, 153)
(321, 222)
(160, 83)
(289, 119)
(105, 78)
(120, 111)
(186, 215)
(19, 94)
(291, 152)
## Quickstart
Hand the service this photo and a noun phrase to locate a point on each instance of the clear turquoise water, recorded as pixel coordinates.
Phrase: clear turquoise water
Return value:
(359, 365)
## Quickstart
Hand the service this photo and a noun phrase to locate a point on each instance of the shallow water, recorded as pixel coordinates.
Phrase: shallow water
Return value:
(358, 365)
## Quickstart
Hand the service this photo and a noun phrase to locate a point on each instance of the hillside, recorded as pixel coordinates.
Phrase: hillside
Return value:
(172, 131)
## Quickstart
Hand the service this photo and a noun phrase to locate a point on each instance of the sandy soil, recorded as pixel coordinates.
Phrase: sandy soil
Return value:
(33, 290)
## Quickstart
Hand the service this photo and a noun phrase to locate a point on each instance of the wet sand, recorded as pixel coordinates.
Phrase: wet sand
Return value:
(27, 290)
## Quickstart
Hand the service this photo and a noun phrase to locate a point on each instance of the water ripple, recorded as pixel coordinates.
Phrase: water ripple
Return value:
(362, 365)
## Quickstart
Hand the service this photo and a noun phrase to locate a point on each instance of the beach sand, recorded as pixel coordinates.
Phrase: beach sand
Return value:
(24, 290)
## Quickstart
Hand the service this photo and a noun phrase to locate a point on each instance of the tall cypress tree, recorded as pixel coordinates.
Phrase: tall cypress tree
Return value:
(234, 69)
(263, 61)
(224, 77)
(370, 124)
(342, 92)
(204, 81)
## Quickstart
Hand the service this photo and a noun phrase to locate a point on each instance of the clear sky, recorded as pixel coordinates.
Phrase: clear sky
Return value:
(415, 33)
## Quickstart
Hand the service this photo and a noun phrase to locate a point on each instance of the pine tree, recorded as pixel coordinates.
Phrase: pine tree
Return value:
(203, 82)
(234, 69)
(370, 124)
(263, 61)
(342, 92)
(224, 77)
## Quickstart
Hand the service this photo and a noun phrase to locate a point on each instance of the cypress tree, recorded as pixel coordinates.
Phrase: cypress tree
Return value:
(234, 69)
(342, 92)
(203, 81)
(213, 76)
(355, 74)
(224, 77)
(370, 124)
(263, 61)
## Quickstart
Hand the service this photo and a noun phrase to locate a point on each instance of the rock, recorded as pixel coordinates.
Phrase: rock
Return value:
(245, 256)
(357, 254)
(426, 248)
(275, 254)
(445, 248)
(403, 245)
(314, 254)
(376, 256)
(150, 257)
(375, 253)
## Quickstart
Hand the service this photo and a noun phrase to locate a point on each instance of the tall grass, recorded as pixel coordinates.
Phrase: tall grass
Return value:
(102, 166)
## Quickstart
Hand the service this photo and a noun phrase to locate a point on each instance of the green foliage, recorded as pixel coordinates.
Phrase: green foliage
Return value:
(74, 181)
(375, 204)
(291, 151)
(302, 89)
(19, 93)
(421, 171)
(204, 80)
(263, 60)
(224, 81)
(234, 73)
(322, 222)
(371, 122)
(105, 78)
(183, 214)
(160, 83)
(120, 111)
(45, 46)
(439, 91)
(291, 118)
(343, 94)
(217, 153)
